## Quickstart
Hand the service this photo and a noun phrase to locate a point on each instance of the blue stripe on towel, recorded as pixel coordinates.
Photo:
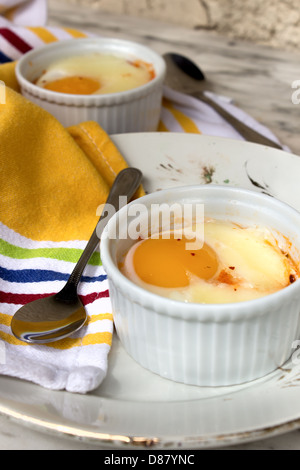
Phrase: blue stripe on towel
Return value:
(4, 58)
(41, 275)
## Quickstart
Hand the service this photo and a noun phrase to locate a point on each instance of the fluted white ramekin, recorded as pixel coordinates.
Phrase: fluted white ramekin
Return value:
(207, 344)
(136, 110)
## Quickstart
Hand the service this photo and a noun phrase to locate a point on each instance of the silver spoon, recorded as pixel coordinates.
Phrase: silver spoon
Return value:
(57, 316)
(185, 76)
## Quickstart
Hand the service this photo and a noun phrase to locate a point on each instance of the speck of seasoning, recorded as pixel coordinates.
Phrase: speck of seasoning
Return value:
(193, 254)
(232, 267)
(235, 288)
(207, 173)
(226, 181)
(292, 278)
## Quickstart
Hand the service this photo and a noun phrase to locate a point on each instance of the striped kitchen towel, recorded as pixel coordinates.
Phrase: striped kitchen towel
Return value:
(52, 181)
(22, 28)
(30, 270)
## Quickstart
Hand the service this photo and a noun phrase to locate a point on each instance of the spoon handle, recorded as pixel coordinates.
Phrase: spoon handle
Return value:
(247, 132)
(125, 184)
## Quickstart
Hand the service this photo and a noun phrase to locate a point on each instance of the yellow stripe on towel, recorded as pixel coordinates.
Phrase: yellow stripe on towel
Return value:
(10, 13)
(43, 33)
(66, 343)
(87, 340)
(186, 123)
(6, 319)
(75, 33)
(162, 127)
(100, 316)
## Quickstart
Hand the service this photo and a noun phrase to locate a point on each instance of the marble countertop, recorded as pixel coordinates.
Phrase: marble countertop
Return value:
(236, 69)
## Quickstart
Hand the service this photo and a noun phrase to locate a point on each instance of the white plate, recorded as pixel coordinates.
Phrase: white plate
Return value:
(135, 408)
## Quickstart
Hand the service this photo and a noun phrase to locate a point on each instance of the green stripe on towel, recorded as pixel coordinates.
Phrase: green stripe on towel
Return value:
(64, 254)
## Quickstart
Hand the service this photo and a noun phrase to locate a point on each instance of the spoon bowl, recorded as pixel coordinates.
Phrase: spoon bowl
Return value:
(185, 76)
(58, 316)
(44, 320)
(186, 65)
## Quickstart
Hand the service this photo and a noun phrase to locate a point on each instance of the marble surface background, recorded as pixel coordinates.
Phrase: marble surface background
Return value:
(271, 22)
(259, 80)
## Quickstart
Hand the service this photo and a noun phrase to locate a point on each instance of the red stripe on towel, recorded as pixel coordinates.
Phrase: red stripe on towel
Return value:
(22, 299)
(15, 40)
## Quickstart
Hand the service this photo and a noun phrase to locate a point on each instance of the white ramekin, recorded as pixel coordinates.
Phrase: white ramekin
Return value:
(206, 344)
(136, 110)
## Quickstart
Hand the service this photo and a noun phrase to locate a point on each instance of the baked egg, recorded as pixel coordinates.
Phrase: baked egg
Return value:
(233, 264)
(95, 73)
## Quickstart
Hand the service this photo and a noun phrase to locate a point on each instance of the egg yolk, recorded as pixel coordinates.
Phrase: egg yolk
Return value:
(74, 85)
(167, 262)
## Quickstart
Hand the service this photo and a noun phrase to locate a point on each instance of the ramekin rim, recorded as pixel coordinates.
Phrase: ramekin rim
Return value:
(61, 98)
(197, 310)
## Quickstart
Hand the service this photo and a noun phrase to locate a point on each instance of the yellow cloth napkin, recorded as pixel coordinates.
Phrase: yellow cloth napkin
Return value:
(52, 180)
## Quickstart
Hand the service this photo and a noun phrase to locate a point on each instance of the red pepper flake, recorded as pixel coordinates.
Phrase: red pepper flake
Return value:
(292, 278)
(226, 277)
(231, 267)
(193, 254)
